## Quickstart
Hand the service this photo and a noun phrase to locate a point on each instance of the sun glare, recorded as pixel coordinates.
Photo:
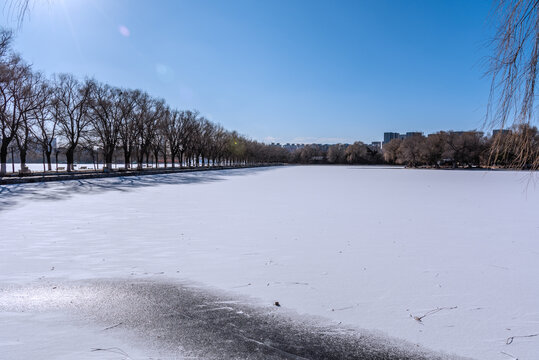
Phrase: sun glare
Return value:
(124, 30)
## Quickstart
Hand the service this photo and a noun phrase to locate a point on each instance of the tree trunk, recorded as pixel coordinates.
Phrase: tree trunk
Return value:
(3, 158)
(127, 158)
(48, 159)
(109, 155)
(69, 157)
(156, 156)
(22, 154)
(140, 159)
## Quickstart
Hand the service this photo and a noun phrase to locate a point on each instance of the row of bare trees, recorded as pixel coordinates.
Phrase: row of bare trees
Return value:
(64, 112)
(467, 149)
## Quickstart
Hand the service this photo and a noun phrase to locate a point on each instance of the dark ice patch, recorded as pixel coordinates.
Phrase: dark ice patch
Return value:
(189, 321)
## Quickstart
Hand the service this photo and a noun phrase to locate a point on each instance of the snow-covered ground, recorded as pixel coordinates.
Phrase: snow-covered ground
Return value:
(367, 246)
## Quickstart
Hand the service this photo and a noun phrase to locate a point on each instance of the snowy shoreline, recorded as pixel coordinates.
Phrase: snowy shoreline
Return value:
(37, 177)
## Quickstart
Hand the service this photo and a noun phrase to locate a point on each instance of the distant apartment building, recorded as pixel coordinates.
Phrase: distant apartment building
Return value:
(376, 145)
(388, 136)
(501, 131)
(292, 147)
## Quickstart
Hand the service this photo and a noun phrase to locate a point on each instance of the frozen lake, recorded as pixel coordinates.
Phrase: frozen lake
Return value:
(370, 247)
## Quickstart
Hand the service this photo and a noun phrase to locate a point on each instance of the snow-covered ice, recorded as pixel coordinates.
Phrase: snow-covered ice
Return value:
(371, 247)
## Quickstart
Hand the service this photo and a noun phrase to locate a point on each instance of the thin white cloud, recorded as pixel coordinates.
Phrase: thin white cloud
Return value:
(270, 139)
(319, 140)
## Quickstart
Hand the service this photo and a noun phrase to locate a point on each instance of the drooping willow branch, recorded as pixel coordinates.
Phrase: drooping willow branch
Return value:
(513, 69)
(18, 9)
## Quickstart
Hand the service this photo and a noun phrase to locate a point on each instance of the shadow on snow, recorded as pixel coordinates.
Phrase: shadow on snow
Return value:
(11, 195)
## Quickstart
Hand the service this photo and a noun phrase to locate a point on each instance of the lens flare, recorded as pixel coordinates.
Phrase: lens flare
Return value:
(124, 30)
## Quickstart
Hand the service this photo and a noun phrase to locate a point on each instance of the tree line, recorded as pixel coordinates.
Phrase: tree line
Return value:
(450, 149)
(90, 116)
(467, 149)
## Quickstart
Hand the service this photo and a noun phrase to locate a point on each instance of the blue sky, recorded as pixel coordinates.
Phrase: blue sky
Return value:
(286, 71)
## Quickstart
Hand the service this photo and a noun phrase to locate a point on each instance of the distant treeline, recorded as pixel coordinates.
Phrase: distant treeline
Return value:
(466, 149)
(442, 149)
(356, 153)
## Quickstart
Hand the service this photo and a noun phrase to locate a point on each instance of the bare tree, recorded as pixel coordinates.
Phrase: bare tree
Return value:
(33, 96)
(187, 121)
(147, 113)
(5, 41)
(6, 77)
(512, 148)
(391, 151)
(205, 137)
(173, 127)
(70, 103)
(433, 148)
(463, 148)
(356, 153)
(410, 150)
(128, 128)
(158, 140)
(514, 73)
(46, 124)
(195, 140)
(218, 145)
(14, 94)
(106, 114)
(336, 154)
(189, 136)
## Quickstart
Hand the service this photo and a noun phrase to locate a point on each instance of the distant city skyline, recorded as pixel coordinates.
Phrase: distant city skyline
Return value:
(294, 71)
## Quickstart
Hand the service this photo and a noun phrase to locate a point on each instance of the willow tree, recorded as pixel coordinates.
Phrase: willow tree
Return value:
(513, 68)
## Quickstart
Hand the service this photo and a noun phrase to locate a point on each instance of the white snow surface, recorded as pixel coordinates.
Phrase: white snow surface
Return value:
(369, 246)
